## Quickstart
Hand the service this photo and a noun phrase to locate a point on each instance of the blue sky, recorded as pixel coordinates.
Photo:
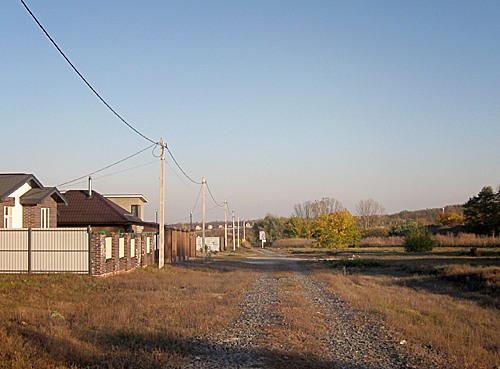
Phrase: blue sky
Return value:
(274, 102)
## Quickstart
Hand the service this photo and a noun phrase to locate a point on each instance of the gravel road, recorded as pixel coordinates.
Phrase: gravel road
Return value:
(352, 340)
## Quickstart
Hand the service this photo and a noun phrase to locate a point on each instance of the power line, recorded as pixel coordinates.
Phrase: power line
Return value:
(210, 192)
(112, 174)
(106, 167)
(83, 78)
(180, 178)
(99, 96)
(178, 166)
(196, 203)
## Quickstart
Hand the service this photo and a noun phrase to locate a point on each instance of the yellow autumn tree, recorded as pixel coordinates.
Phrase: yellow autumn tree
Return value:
(450, 218)
(336, 230)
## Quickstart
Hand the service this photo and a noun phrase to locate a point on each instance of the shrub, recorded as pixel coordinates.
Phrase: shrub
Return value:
(375, 232)
(419, 240)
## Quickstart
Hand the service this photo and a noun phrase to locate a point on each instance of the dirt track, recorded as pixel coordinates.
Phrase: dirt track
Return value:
(346, 338)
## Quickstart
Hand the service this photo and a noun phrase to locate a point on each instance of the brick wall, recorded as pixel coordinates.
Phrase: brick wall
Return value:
(32, 215)
(102, 265)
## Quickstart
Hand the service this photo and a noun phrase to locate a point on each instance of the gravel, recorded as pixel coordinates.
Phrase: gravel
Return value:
(354, 339)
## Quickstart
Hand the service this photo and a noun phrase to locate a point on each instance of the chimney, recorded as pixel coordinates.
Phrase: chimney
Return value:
(90, 187)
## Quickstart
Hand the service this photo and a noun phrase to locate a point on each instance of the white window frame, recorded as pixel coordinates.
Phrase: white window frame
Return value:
(132, 247)
(148, 245)
(45, 218)
(7, 216)
(121, 247)
(109, 247)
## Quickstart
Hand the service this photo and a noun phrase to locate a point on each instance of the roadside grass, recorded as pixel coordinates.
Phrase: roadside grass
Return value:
(294, 337)
(134, 320)
(446, 299)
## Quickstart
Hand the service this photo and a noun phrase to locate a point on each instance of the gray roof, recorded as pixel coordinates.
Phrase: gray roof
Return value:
(39, 195)
(9, 182)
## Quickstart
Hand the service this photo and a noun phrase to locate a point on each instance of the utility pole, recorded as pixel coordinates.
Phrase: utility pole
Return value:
(244, 231)
(161, 250)
(190, 220)
(225, 224)
(203, 231)
(238, 232)
(234, 240)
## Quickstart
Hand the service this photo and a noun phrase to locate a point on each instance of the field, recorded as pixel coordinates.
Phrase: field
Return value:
(446, 299)
(135, 320)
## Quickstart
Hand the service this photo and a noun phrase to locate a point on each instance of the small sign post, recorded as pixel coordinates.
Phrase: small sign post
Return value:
(262, 237)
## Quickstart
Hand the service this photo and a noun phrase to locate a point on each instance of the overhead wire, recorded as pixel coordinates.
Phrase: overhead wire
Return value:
(178, 166)
(114, 173)
(155, 143)
(196, 203)
(107, 166)
(83, 78)
(212, 196)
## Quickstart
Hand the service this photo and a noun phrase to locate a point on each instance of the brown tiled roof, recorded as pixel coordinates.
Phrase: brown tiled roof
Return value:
(96, 210)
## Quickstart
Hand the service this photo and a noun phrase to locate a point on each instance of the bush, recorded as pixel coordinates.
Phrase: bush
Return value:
(419, 240)
(375, 232)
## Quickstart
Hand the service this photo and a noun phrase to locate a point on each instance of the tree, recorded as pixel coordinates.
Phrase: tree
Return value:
(298, 228)
(419, 239)
(450, 218)
(336, 230)
(275, 227)
(482, 212)
(369, 211)
(312, 210)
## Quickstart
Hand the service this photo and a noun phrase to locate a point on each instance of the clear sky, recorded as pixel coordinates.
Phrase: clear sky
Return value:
(274, 102)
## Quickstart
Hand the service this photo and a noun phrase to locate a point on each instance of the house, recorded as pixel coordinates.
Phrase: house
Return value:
(25, 203)
(100, 213)
(133, 203)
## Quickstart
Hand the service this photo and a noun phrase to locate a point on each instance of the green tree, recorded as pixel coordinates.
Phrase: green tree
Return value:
(336, 230)
(419, 239)
(298, 228)
(482, 212)
(275, 227)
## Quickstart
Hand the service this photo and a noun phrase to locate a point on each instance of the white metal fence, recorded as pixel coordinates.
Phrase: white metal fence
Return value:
(45, 250)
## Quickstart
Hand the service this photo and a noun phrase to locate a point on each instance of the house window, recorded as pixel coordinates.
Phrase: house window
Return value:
(148, 245)
(136, 211)
(45, 219)
(7, 217)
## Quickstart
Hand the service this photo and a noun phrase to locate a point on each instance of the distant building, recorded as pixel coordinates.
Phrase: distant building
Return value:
(132, 203)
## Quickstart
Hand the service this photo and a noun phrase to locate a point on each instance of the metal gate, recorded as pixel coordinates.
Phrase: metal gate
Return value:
(45, 250)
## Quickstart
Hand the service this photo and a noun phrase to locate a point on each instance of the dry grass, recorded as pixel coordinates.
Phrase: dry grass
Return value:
(467, 240)
(294, 337)
(382, 241)
(293, 242)
(134, 320)
(443, 299)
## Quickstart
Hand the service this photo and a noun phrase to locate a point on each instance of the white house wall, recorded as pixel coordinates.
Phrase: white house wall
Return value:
(17, 211)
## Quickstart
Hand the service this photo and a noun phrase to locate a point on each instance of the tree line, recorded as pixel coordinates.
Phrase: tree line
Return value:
(326, 220)
(330, 224)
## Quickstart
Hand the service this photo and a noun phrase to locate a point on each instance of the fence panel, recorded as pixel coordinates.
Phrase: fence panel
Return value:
(44, 250)
(13, 250)
(60, 250)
